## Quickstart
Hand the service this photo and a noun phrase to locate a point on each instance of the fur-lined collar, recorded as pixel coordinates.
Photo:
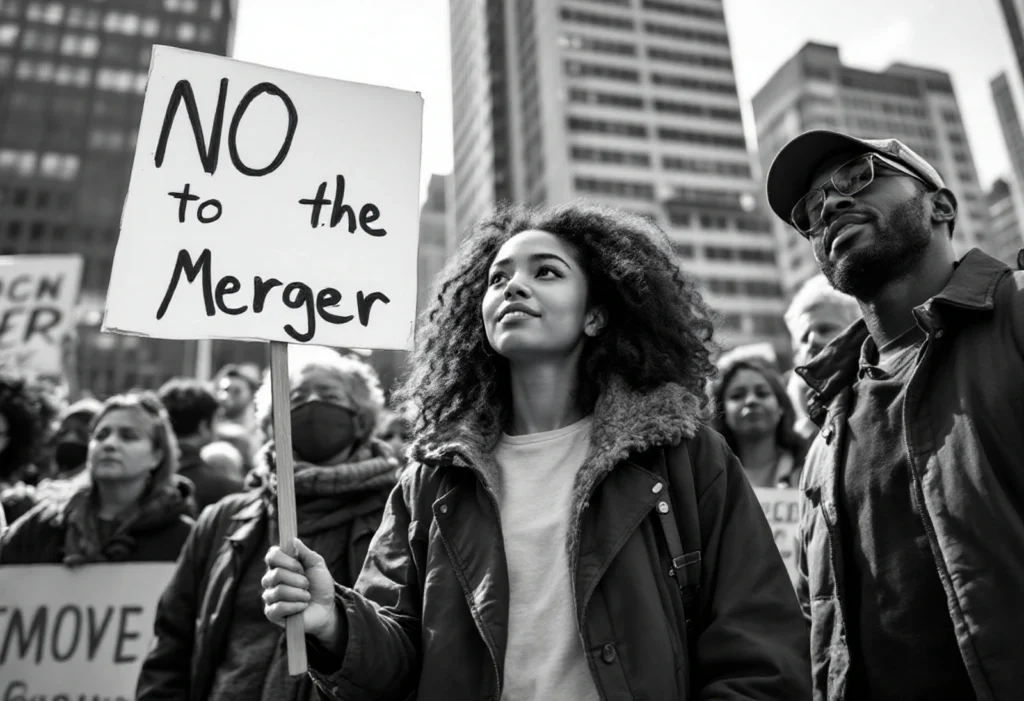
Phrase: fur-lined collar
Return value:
(625, 422)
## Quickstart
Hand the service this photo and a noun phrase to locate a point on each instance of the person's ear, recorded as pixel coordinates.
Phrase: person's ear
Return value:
(944, 207)
(595, 322)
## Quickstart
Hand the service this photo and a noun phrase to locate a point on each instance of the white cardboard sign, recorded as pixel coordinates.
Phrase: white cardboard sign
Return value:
(77, 633)
(269, 205)
(38, 295)
(782, 509)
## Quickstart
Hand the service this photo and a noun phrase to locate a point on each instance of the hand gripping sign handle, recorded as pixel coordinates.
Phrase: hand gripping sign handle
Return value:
(286, 520)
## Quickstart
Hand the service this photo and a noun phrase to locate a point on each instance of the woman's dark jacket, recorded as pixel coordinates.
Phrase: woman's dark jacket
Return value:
(39, 537)
(194, 615)
(428, 617)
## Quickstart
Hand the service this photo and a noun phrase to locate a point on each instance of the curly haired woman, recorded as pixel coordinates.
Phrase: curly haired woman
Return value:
(26, 410)
(532, 549)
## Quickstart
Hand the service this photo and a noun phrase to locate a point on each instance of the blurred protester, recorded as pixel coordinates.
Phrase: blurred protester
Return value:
(71, 439)
(527, 553)
(817, 314)
(26, 412)
(395, 429)
(756, 418)
(224, 458)
(129, 505)
(192, 409)
(236, 386)
(911, 557)
(213, 642)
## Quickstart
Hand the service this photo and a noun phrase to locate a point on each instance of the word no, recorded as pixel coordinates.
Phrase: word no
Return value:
(72, 629)
(295, 295)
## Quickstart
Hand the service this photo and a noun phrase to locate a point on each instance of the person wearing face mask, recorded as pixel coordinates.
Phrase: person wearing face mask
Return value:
(71, 439)
(756, 418)
(128, 505)
(213, 642)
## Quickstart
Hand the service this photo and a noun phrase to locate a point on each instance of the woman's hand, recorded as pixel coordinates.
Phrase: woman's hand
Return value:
(300, 586)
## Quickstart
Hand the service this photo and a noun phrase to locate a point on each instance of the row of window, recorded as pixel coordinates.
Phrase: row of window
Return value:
(701, 137)
(657, 53)
(63, 166)
(87, 45)
(118, 80)
(635, 102)
(590, 70)
(705, 166)
(616, 188)
(21, 197)
(746, 255)
(752, 288)
(639, 131)
(718, 222)
(687, 33)
(683, 9)
(584, 154)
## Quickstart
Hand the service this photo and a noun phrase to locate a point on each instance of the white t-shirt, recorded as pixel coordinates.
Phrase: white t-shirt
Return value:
(544, 659)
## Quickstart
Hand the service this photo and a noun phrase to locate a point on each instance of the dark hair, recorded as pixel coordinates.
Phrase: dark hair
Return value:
(189, 403)
(785, 433)
(658, 327)
(29, 410)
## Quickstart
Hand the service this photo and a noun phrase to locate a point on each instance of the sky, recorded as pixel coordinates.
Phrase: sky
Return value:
(405, 44)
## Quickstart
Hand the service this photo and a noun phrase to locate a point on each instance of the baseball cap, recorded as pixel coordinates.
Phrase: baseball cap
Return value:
(789, 176)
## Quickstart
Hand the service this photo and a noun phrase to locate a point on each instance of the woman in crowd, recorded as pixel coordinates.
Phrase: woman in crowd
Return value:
(396, 431)
(26, 411)
(127, 506)
(213, 642)
(756, 417)
(532, 549)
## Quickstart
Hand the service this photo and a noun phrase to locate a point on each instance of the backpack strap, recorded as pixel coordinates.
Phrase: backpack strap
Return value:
(682, 535)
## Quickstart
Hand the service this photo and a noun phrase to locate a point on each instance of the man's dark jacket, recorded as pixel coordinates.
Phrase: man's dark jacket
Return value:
(428, 618)
(964, 433)
(211, 486)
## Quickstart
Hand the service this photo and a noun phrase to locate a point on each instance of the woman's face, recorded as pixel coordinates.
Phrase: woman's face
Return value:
(536, 300)
(751, 407)
(121, 446)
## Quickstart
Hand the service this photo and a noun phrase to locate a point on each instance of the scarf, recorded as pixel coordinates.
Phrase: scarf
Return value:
(84, 540)
(332, 493)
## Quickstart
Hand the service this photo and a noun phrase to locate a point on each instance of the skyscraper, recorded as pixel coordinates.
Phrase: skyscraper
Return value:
(1004, 223)
(918, 106)
(72, 78)
(627, 102)
(1013, 13)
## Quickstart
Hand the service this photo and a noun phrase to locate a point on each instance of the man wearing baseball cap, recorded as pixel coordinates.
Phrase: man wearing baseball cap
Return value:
(912, 520)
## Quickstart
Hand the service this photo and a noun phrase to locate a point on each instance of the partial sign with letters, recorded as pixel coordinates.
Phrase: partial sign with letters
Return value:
(77, 633)
(782, 509)
(269, 205)
(38, 295)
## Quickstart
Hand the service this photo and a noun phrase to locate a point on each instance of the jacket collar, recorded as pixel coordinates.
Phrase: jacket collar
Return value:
(625, 422)
(971, 288)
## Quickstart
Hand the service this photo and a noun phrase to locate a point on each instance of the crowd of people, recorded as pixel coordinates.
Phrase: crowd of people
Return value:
(569, 459)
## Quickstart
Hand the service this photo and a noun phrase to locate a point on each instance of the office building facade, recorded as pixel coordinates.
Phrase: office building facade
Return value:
(631, 103)
(918, 106)
(72, 79)
(1004, 223)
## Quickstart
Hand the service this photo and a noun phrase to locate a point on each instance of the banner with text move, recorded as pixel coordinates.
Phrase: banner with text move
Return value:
(269, 205)
(38, 295)
(77, 633)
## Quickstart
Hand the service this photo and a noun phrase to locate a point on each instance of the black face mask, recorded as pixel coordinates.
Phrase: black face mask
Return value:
(70, 455)
(321, 430)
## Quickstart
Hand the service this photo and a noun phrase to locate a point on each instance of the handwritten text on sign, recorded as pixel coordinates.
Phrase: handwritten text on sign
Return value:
(37, 301)
(782, 508)
(269, 205)
(65, 633)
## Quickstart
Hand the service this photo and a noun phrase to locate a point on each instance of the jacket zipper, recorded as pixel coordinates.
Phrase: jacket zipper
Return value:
(469, 599)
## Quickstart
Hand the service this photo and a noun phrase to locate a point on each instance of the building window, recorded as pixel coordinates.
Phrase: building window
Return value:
(699, 137)
(632, 130)
(660, 54)
(614, 188)
(597, 20)
(677, 81)
(150, 27)
(682, 8)
(686, 33)
(8, 34)
(593, 155)
(683, 250)
(698, 165)
(590, 70)
(186, 32)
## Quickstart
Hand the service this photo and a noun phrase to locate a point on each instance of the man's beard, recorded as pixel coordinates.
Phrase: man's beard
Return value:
(900, 243)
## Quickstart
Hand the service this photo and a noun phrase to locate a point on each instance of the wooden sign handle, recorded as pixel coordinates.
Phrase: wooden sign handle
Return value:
(286, 519)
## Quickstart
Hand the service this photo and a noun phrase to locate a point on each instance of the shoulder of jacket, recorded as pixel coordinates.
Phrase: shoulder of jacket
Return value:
(708, 455)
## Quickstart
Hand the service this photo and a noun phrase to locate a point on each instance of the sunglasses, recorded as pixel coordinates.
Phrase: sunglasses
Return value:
(848, 179)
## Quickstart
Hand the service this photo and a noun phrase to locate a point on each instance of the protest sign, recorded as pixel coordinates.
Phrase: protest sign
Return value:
(37, 309)
(77, 633)
(269, 205)
(782, 509)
